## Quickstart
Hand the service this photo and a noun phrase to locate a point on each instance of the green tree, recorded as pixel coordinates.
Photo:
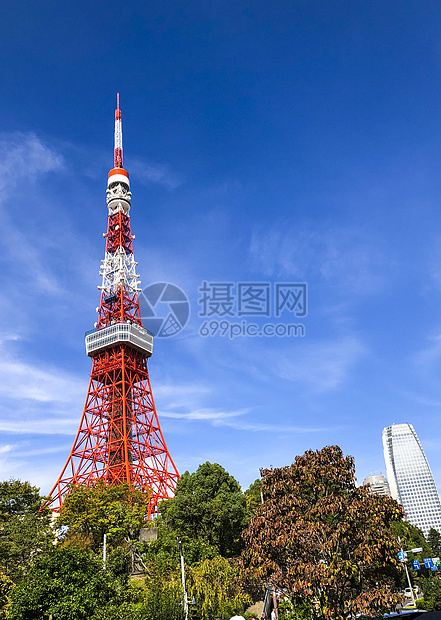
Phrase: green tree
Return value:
(69, 584)
(164, 551)
(434, 541)
(431, 589)
(253, 497)
(217, 589)
(92, 511)
(6, 586)
(25, 531)
(323, 539)
(411, 537)
(208, 505)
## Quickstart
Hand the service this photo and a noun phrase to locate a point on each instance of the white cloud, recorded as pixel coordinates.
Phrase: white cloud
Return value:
(343, 257)
(151, 172)
(22, 380)
(173, 396)
(25, 156)
(431, 355)
(6, 448)
(204, 414)
(272, 428)
(42, 426)
(324, 366)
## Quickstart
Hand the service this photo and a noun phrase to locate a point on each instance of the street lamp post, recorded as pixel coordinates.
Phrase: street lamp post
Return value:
(179, 544)
(416, 550)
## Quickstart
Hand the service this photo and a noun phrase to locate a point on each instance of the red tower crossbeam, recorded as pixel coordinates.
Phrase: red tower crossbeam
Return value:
(119, 439)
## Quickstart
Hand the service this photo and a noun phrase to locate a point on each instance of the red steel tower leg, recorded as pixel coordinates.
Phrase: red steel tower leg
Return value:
(119, 439)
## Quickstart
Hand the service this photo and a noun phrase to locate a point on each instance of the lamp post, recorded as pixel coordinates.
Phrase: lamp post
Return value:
(404, 553)
(179, 544)
(105, 552)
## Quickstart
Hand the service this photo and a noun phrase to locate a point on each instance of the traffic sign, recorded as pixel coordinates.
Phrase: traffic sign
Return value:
(428, 562)
(401, 555)
(434, 567)
(416, 565)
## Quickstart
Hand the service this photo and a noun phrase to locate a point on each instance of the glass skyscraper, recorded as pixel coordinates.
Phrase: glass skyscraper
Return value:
(410, 478)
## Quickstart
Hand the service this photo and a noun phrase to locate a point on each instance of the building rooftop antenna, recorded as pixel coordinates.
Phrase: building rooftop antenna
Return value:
(118, 161)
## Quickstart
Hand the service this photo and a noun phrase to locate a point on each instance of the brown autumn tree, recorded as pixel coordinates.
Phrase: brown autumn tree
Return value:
(328, 543)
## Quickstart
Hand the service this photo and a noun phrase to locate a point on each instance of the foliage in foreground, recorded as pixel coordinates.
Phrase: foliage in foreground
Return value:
(434, 541)
(68, 583)
(25, 532)
(148, 604)
(92, 511)
(431, 588)
(216, 588)
(322, 539)
(6, 586)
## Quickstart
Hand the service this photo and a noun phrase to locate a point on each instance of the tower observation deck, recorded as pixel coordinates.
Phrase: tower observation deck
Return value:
(119, 439)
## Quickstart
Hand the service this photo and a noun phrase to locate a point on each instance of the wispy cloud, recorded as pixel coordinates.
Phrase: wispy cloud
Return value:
(207, 414)
(152, 172)
(229, 418)
(323, 365)
(23, 380)
(273, 428)
(25, 156)
(430, 356)
(6, 448)
(173, 396)
(41, 426)
(343, 257)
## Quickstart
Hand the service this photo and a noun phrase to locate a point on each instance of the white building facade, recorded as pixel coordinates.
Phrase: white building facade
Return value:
(378, 485)
(410, 478)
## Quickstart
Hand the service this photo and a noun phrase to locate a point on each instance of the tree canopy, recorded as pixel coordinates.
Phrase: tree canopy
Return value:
(92, 511)
(323, 539)
(210, 506)
(253, 497)
(216, 587)
(434, 541)
(25, 532)
(67, 583)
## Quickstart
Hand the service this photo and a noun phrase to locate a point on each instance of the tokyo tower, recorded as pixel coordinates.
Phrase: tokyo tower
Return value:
(119, 439)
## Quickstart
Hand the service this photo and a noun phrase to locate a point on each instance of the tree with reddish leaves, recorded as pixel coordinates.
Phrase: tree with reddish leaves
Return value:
(325, 542)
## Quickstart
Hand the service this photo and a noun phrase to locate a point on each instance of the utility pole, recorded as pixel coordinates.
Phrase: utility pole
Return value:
(416, 550)
(179, 544)
(105, 552)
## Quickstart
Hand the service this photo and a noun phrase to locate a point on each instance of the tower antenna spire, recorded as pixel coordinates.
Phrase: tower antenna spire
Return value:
(118, 160)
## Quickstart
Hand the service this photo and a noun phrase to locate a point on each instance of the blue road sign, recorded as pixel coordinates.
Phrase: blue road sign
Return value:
(401, 555)
(428, 562)
(416, 565)
(434, 567)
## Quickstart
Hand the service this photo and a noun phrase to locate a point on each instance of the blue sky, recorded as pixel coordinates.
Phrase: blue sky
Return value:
(294, 141)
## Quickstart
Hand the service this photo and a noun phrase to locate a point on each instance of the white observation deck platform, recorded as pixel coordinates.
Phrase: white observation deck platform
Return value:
(129, 333)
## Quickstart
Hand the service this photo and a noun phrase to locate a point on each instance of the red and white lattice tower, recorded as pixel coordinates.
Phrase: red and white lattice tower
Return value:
(119, 439)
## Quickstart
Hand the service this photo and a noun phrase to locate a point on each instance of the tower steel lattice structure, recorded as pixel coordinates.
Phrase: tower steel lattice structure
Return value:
(119, 439)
